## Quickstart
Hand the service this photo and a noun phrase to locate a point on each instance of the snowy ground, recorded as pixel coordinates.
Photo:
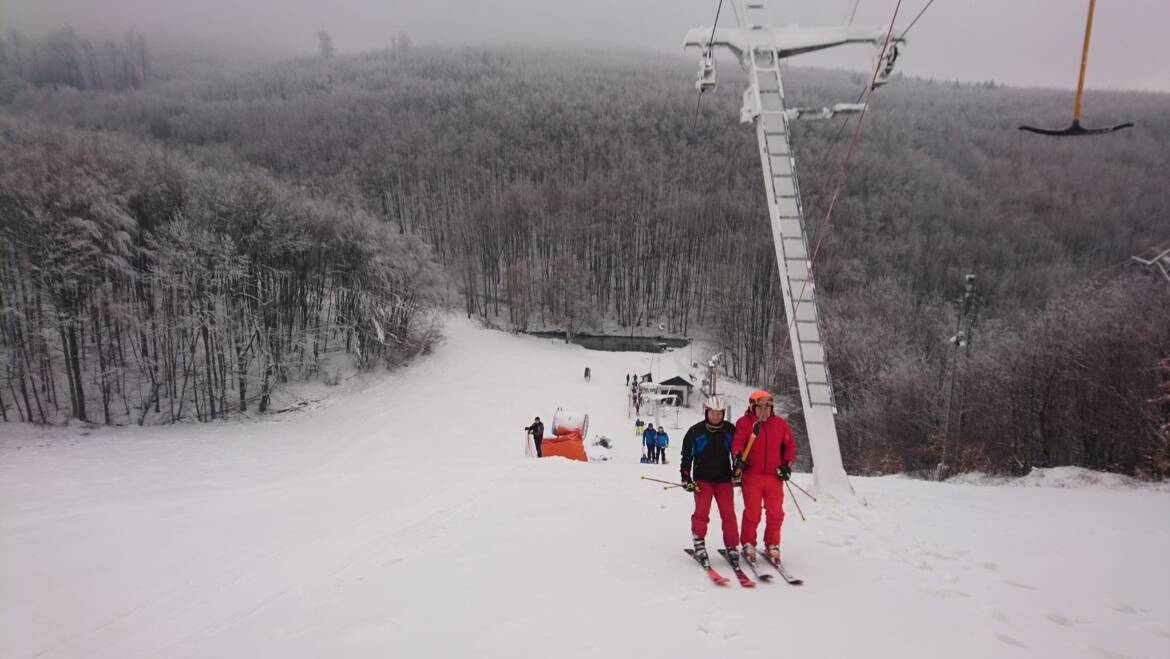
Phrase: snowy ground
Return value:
(404, 521)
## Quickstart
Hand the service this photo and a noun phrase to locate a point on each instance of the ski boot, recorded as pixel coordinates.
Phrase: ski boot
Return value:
(749, 553)
(733, 557)
(774, 553)
(701, 551)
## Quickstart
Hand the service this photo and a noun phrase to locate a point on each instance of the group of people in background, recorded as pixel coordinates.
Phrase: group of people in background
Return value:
(635, 394)
(757, 454)
(654, 442)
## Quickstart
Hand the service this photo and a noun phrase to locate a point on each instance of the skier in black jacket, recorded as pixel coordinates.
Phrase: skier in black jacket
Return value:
(706, 471)
(537, 430)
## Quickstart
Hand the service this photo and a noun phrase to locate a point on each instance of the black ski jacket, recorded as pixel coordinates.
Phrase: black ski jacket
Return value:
(706, 453)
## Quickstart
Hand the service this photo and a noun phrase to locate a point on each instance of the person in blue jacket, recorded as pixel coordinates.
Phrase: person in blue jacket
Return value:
(662, 440)
(650, 440)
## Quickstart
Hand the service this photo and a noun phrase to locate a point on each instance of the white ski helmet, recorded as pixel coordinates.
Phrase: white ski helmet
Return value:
(714, 403)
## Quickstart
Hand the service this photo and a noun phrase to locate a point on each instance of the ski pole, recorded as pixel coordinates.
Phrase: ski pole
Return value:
(669, 484)
(795, 502)
(805, 491)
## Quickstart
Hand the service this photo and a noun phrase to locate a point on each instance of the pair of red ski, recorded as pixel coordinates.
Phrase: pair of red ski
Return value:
(744, 580)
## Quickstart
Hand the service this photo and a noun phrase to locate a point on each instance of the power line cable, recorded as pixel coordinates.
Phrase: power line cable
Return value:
(710, 40)
(841, 127)
(853, 14)
(907, 30)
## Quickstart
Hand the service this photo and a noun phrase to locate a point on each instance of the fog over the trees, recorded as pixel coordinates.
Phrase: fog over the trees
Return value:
(1018, 42)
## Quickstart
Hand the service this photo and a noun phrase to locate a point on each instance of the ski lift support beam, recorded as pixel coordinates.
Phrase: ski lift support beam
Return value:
(759, 48)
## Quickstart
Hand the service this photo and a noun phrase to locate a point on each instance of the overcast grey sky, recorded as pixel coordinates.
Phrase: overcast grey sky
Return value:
(1020, 42)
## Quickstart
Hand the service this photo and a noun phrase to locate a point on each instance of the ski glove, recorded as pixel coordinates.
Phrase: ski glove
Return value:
(740, 465)
(691, 486)
(756, 428)
(784, 471)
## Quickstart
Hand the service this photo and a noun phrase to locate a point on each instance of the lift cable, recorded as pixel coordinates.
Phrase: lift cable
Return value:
(822, 229)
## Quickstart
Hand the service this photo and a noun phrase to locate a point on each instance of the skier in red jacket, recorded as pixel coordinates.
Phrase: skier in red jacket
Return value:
(766, 464)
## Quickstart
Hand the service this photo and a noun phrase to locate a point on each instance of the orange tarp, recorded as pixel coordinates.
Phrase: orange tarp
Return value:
(568, 445)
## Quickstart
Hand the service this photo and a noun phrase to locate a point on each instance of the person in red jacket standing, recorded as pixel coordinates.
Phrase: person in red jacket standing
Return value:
(762, 466)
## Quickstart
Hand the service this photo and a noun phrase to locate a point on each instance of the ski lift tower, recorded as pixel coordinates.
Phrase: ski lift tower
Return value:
(759, 47)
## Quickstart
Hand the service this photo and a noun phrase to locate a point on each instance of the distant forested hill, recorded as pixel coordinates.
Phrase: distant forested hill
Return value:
(561, 189)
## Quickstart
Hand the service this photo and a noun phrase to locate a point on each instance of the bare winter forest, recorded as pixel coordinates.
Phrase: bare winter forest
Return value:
(178, 242)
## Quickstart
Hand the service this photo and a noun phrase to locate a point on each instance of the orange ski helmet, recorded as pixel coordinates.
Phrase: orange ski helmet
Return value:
(759, 395)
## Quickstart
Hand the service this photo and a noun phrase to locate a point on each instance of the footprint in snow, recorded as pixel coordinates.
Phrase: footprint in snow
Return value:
(370, 633)
(1009, 640)
(943, 593)
(996, 614)
(919, 564)
(718, 629)
(1017, 584)
(1059, 619)
(990, 566)
(1164, 632)
(1108, 653)
(1120, 607)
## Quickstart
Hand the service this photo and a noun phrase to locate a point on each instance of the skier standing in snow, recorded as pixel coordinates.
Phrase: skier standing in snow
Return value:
(650, 439)
(662, 440)
(537, 430)
(705, 468)
(763, 467)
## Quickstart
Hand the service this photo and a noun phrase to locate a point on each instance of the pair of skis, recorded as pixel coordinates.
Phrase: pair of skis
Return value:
(780, 569)
(743, 578)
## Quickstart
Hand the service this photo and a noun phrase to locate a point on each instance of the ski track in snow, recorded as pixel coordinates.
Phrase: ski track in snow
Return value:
(404, 520)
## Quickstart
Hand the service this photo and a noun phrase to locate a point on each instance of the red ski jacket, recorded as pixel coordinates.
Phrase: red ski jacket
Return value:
(773, 446)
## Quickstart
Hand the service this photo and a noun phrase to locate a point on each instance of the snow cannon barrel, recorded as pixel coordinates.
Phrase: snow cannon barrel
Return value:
(566, 422)
(569, 430)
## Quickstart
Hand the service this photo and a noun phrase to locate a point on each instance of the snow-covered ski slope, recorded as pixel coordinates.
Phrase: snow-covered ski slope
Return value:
(404, 521)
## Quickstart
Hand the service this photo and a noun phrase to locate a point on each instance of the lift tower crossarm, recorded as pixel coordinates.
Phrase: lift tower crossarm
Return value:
(789, 41)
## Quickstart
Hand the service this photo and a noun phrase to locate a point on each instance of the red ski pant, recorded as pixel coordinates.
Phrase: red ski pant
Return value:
(724, 495)
(769, 490)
